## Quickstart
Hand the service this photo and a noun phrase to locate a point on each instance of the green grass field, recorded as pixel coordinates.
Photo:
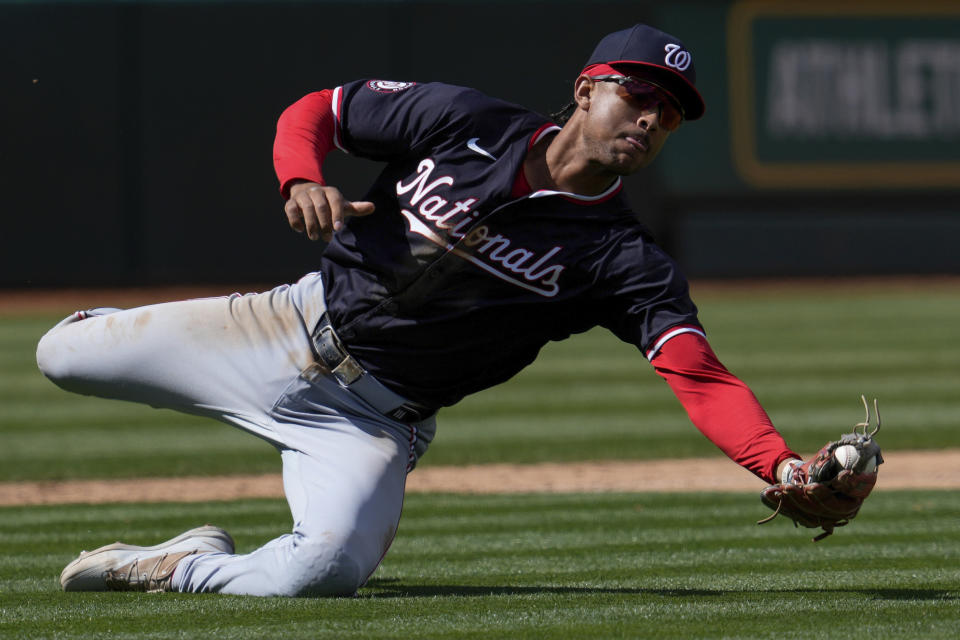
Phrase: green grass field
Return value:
(555, 566)
(807, 354)
(542, 566)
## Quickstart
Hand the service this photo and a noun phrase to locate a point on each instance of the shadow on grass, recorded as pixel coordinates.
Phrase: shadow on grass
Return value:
(391, 588)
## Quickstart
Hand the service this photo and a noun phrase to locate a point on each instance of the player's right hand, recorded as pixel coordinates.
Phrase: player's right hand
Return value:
(320, 210)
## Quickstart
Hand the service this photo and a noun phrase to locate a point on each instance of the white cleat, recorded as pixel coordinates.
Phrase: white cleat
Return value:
(126, 567)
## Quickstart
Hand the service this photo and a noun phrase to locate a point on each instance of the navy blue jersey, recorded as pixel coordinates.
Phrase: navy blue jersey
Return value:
(453, 285)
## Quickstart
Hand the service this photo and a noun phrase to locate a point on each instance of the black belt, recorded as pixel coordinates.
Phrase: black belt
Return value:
(335, 361)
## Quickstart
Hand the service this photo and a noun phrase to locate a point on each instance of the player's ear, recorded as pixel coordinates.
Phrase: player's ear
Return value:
(583, 90)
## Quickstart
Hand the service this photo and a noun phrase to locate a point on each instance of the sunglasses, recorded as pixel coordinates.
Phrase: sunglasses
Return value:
(646, 95)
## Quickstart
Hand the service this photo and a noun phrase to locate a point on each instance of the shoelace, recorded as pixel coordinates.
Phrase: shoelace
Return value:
(133, 580)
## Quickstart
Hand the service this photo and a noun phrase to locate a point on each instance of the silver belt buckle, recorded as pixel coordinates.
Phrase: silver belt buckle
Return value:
(348, 371)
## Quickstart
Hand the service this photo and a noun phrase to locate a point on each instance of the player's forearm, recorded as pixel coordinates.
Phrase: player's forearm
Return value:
(738, 425)
(305, 132)
(721, 406)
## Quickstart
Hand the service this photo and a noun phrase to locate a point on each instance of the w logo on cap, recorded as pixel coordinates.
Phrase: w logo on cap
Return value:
(677, 57)
(665, 56)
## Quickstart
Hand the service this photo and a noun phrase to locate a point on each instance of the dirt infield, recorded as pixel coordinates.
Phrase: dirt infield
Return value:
(902, 470)
(20, 301)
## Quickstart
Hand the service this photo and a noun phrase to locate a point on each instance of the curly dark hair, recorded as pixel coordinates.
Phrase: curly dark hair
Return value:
(563, 114)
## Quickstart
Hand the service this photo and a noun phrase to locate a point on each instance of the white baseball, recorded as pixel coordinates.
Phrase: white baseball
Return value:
(848, 456)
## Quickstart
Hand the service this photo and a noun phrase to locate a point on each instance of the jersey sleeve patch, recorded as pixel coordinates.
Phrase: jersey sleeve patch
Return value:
(388, 86)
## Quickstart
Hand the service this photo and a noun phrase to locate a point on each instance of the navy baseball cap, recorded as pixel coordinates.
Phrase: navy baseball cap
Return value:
(657, 55)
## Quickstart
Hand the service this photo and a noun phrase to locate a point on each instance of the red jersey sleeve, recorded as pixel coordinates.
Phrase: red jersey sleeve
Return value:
(305, 135)
(721, 406)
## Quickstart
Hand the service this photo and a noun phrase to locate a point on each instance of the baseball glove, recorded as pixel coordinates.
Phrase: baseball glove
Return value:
(828, 490)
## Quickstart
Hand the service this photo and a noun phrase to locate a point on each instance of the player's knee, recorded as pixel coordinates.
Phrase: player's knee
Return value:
(323, 568)
(59, 356)
(53, 357)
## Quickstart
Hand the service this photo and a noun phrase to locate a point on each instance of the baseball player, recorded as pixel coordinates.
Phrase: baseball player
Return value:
(491, 231)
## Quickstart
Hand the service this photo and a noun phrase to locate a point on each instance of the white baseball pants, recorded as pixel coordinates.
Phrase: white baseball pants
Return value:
(247, 360)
